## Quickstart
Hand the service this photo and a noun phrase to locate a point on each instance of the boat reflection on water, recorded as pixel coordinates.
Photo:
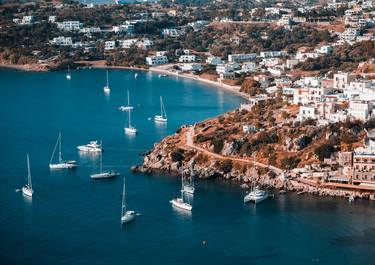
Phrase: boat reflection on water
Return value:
(88, 156)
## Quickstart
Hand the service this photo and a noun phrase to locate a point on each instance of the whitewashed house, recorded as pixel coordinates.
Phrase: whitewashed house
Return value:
(109, 45)
(213, 60)
(156, 60)
(185, 58)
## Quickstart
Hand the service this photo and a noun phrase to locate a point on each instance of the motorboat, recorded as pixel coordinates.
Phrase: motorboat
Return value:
(93, 146)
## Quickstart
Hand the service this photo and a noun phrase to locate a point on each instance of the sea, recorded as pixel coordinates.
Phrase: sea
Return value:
(73, 219)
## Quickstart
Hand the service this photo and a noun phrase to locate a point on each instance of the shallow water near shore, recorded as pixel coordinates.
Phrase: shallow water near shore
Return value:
(75, 220)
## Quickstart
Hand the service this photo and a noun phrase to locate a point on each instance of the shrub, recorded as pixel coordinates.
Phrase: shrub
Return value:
(290, 162)
(177, 155)
(218, 144)
(324, 151)
(226, 165)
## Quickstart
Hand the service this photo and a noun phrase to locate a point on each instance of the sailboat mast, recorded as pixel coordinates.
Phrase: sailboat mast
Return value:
(107, 79)
(28, 173)
(128, 98)
(161, 106)
(123, 208)
(101, 158)
(60, 159)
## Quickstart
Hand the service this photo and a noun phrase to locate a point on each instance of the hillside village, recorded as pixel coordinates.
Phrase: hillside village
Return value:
(306, 72)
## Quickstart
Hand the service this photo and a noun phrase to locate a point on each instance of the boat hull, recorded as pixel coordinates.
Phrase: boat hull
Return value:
(128, 217)
(27, 191)
(64, 165)
(125, 108)
(89, 150)
(255, 199)
(105, 175)
(130, 130)
(182, 205)
(160, 119)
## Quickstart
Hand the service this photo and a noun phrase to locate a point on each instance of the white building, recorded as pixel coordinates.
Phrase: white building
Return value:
(69, 25)
(27, 20)
(156, 60)
(325, 49)
(248, 67)
(214, 60)
(172, 32)
(109, 45)
(62, 41)
(307, 112)
(127, 28)
(186, 58)
(52, 19)
(360, 109)
(271, 54)
(195, 67)
(224, 68)
(239, 58)
(341, 80)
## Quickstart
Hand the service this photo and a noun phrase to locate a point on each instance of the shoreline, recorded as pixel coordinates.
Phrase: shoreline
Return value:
(157, 69)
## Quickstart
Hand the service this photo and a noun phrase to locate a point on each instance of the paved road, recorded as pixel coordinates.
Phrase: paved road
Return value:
(190, 144)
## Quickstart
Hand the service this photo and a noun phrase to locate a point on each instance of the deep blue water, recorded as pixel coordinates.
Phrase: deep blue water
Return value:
(75, 220)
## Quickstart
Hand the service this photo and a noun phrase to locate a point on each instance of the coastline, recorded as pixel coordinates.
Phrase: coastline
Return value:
(156, 69)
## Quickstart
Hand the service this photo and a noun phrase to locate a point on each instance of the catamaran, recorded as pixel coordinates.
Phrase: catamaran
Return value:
(130, 129)
(256, 194)
(104, 175)
(106, 89)
(163, 114)
(28, 188)
(127, 107)
(68, 75)
(187, 185)
(179, 202)
(126, 216)
(93, 146)
(61, 163)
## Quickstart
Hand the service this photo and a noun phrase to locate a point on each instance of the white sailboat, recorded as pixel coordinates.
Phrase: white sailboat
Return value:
(130, 129)
(179, 201)
(127, 107)
(104, 175)
(68, 75)
(163, 114)
(106, 89)
(28, 188)
(256, 194)
(187, 185)
(126, 216)
(61, 163)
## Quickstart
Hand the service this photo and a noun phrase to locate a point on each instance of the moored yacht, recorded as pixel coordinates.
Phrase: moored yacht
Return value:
(93, 146)
(104, 175)
(28, 188)
(106, 88)
(127, 107)
(179, 202)
(256, 195)
(126, 215)
(61, 163)
(68, 75)
(163, 114)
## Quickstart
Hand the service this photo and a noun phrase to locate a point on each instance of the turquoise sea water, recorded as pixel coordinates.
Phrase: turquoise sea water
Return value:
(75, 220)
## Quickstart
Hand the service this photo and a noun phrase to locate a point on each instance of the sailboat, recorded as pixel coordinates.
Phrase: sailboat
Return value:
(163, 114)
(28, 188)
(126, 216)
(127, 107)
(68, 75)
(106, 89)
(179, 201)
(61, 163)
(130, 129)
(101, 174)
(256, 194)
(187, 185)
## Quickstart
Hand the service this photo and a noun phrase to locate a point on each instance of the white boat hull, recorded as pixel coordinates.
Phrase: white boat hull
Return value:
(27, 191)
(68, 76)
(63, 165)
(130, 130)
(105, 175)
(255, 199)
(107, 90)
(128, 217)
(159, 118)
(180, 204)
(126, 108)
(86, 149)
